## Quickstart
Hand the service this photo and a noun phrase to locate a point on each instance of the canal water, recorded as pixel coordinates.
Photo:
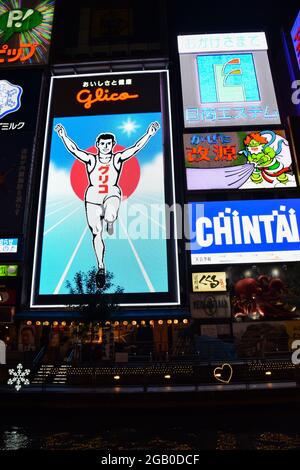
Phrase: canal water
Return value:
(274, 427)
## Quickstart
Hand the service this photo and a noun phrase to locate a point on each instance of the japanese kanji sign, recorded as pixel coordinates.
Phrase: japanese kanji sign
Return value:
(25, 31)
(226, 80)
(120, 121)
(238, 160)
(209, 282)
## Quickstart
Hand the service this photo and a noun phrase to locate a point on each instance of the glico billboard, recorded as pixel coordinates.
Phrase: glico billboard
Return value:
(25, 31)
(107, 180)
(238, 160)
(226, 80)
(244, 231)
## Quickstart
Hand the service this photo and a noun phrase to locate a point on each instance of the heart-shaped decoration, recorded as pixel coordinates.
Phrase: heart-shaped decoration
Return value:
(223, 373)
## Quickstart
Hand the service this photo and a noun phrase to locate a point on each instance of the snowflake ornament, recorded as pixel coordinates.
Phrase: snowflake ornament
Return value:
(19, 377)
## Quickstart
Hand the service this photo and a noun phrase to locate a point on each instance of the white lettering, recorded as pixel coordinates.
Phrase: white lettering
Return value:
(283, 229)
(296, 353)
(266, 220)
(203, 240)
(237, 228)
(14, 15)
(222, 230)
(294, 225)
(251, 229)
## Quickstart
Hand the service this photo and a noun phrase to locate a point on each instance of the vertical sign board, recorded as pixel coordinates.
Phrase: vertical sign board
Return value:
(107, 176)
(19, 104)
(25, 31)
(295, 33)
(238, 160)
(226, 80)
(227, 232)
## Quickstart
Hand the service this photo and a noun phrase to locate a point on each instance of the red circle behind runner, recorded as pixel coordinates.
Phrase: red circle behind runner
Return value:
(128, 181)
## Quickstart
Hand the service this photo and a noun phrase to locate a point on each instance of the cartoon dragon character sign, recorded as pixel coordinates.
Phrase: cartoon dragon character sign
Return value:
(271, 157)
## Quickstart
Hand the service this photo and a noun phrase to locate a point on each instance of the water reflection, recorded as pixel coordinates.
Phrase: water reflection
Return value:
(15, 439)
(171, 430)
(180, 439)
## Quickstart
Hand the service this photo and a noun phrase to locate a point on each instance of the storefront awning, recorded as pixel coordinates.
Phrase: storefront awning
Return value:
(141, 314)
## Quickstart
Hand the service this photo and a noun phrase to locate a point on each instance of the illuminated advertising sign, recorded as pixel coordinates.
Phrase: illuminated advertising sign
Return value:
(244, 231)
(8, 245)
(226, 80)
(19, 100)
(238, 160)
(25, 31)
(210, 305)
(209, 282)
(295, 33)
(107, 177)
(7, 270)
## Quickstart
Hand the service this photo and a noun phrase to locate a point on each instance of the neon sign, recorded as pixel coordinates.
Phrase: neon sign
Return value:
(238, 160)
(236, 231)
(111, 158)
(86, 97)
(226, 80)
(10, 97)
(8, 245)
(25, 31)
(222, 42)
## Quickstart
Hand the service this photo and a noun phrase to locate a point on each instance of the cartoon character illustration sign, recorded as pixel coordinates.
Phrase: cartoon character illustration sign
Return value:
(105, 209)
(238, 160)
(103, 195)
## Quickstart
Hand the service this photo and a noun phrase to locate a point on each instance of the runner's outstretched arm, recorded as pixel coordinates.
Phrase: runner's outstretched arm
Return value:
(130, 151)
(71, 146)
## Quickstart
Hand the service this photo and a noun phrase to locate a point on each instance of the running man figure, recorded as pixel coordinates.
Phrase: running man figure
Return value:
(103, 195)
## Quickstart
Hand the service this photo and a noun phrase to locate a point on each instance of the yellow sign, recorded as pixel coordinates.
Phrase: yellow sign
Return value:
(209, 282)
(224, 373)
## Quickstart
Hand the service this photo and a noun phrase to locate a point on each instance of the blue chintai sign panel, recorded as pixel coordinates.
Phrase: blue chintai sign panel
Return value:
(229, 232)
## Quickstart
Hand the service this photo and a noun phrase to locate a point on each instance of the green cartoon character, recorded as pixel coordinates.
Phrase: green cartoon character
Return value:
(269, 163)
